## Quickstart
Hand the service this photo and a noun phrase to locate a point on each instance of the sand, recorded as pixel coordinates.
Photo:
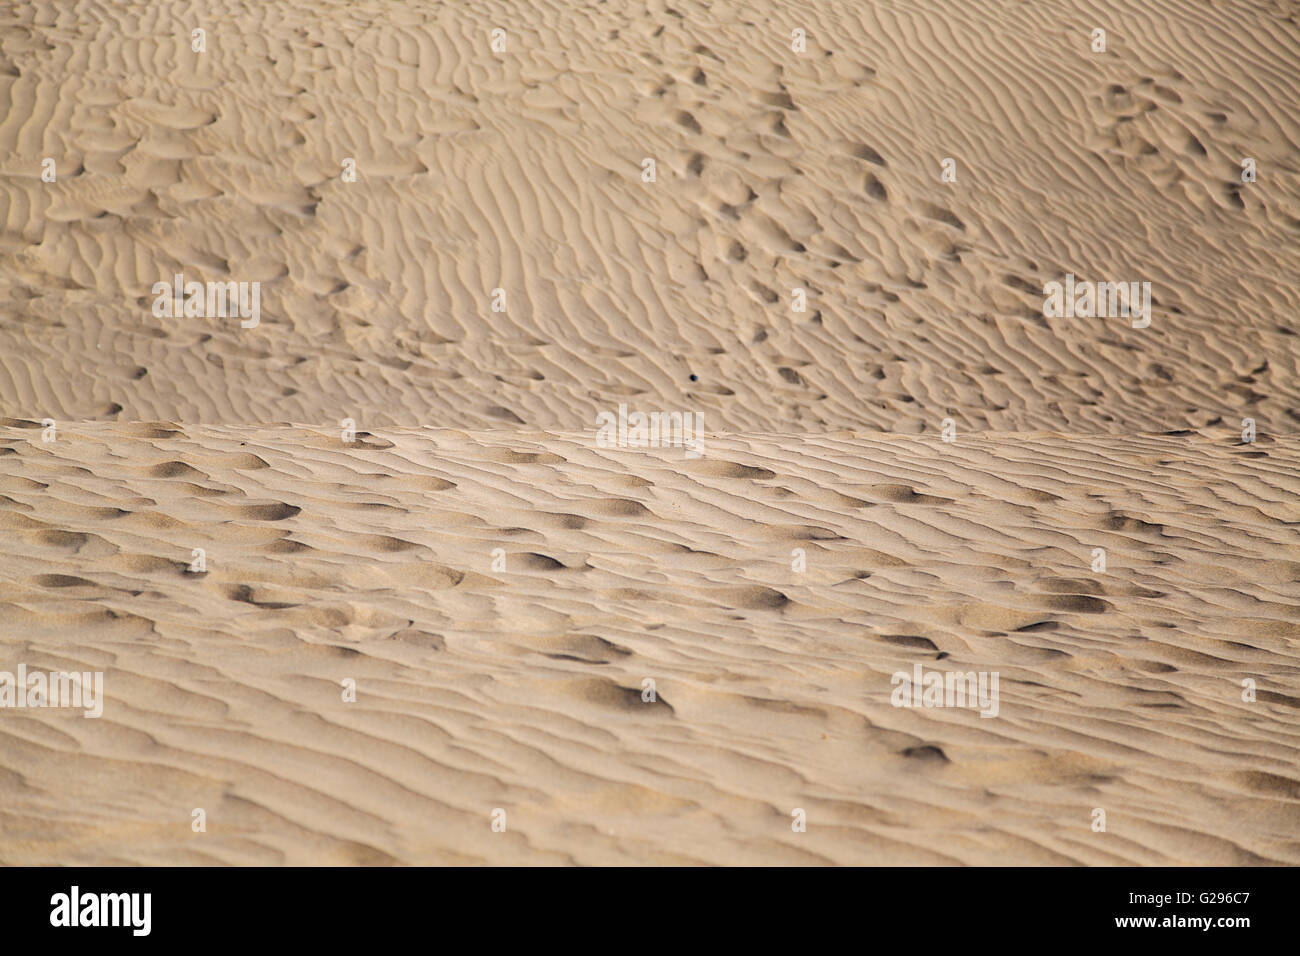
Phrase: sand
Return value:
(496, 586)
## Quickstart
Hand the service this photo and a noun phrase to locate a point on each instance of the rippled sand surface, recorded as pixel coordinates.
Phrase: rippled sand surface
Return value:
(497, 586)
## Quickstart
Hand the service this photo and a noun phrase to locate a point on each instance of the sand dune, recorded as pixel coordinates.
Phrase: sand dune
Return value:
(498, 274)
(522, 171)
(521, 688)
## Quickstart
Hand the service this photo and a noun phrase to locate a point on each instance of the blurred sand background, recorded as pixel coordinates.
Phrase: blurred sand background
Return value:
(481, 687)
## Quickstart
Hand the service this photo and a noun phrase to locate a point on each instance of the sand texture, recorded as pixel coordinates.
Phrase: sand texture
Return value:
(498, 585)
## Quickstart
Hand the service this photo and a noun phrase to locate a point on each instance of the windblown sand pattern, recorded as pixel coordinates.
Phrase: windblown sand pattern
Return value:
(520, 687)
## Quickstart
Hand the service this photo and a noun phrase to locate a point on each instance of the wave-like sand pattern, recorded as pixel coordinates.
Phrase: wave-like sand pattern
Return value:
(521, 171)
(521, 688)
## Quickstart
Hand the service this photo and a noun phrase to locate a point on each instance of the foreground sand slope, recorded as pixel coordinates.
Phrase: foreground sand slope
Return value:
(522, 171)
(520, 688)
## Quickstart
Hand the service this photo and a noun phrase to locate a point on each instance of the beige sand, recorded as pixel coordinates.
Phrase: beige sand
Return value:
(520, 687)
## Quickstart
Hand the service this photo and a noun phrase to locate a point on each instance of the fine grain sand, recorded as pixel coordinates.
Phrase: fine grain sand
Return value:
(499, 586)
